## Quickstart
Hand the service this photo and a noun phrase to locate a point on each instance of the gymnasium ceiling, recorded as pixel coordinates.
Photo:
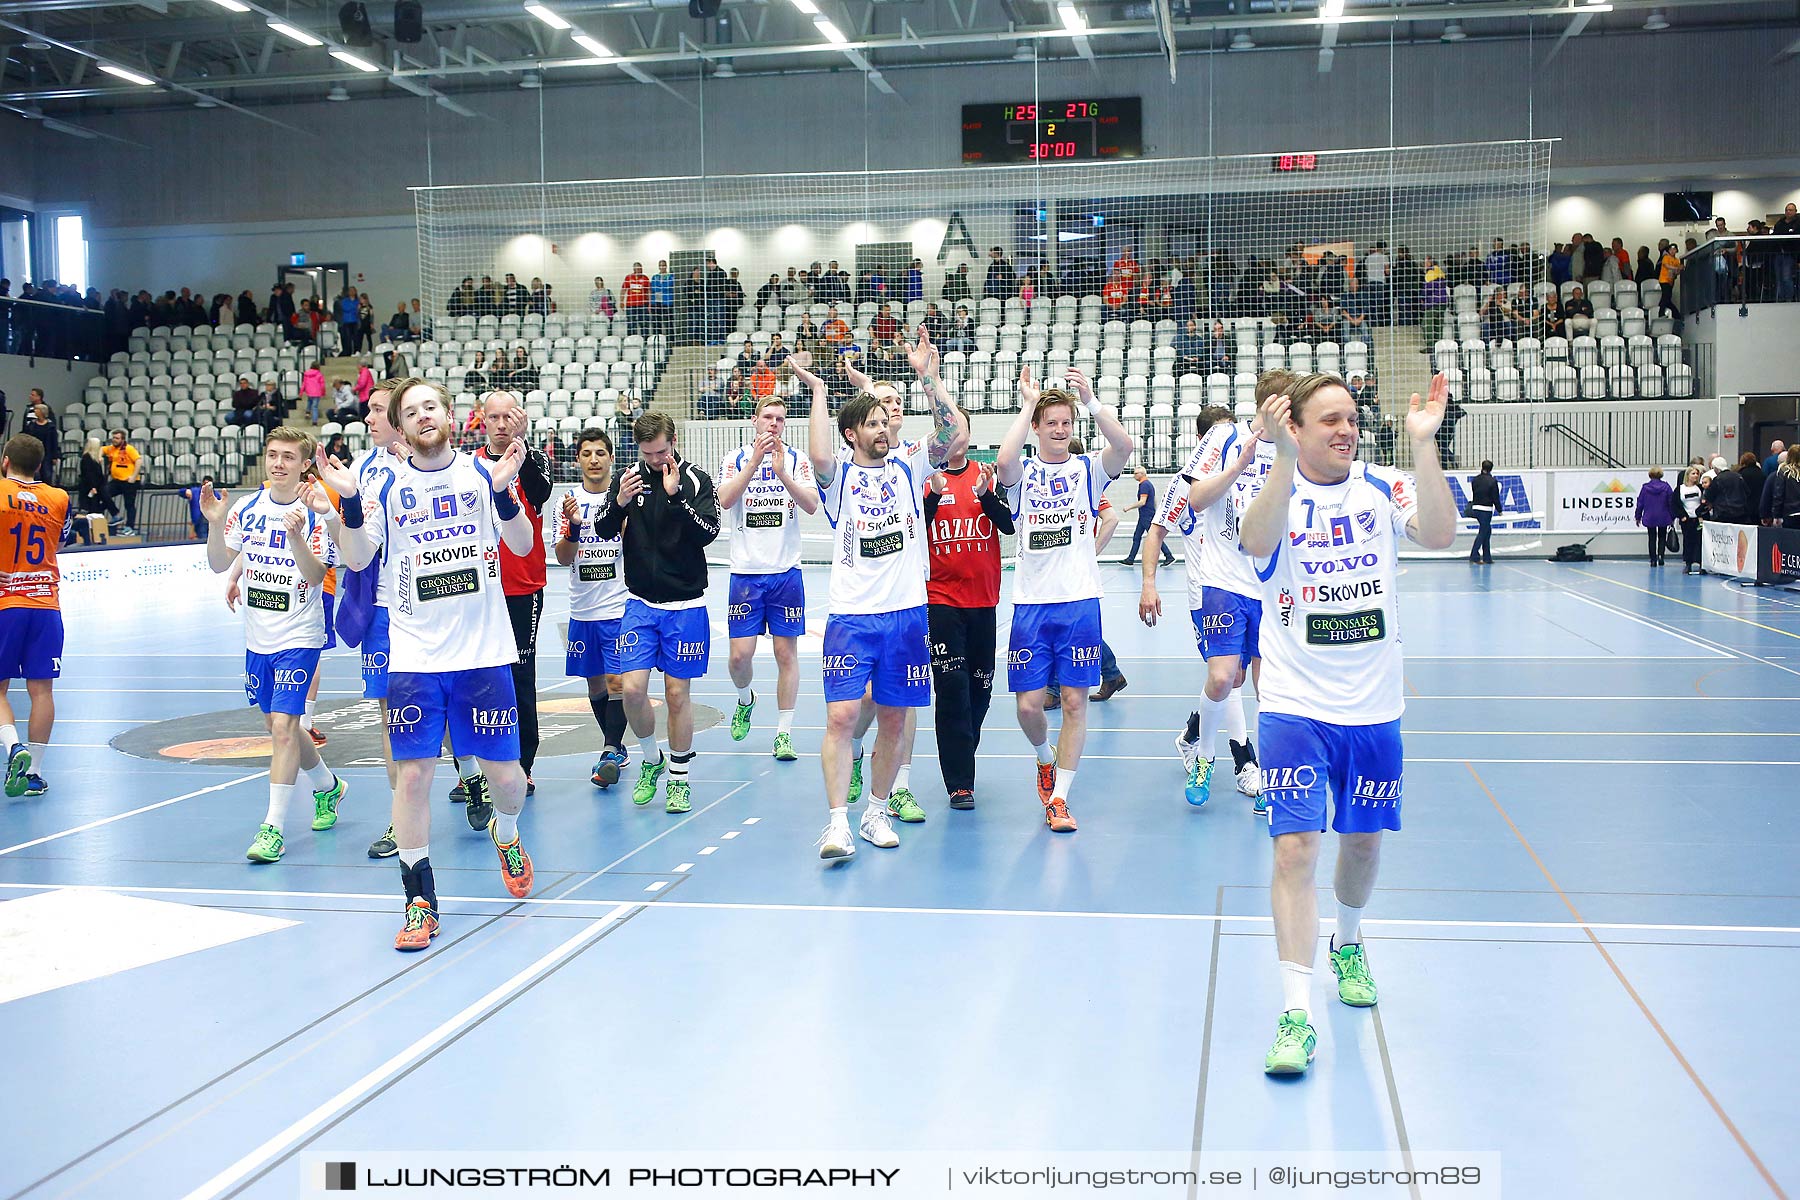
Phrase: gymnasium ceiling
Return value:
(63, 57)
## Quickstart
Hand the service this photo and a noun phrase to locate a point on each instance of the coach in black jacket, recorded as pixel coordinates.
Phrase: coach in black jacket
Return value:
(667, 513)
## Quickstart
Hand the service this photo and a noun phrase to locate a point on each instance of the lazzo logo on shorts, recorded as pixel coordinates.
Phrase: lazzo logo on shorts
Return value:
(494, 720)
(918, 673)
(406, 717)
(1218, 622)
(689, 649)
(794, 614)
(1376, 793)
(841, 662)
(577, 647)
(251, 682)
(1017, 658)
(1085, 654)
(628, 639)
(1289, 779)
(291, 679)
(376, 661)
(737, 610)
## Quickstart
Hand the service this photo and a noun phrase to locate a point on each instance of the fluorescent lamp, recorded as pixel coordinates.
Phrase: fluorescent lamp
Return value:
(299, 35)
(1331, 10)
(349, 59)
(546, 16)
(232, 5)
(1595, 8)
(127, 76)
(829, 31)
(593, 46)
(1072, 21)
(807, 7)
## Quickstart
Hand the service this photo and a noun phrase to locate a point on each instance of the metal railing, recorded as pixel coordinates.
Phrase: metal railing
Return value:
(35, 329)
(1740, 269)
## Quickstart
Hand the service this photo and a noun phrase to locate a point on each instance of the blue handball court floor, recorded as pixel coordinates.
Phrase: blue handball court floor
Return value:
(1587, 937)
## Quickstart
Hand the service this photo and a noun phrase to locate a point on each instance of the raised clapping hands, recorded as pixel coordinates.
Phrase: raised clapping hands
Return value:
(1083, 389)
(570, 510)
(334, 474)
(214, 504)
(922, 355)
(1424, 417)
(315, 499)
(1028, 390)
(506, 467)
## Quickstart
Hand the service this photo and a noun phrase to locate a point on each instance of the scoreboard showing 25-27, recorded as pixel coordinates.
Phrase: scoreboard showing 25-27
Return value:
(1038, 130)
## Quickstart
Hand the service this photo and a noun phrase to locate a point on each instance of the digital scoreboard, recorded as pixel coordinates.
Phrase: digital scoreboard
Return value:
(1053, 130)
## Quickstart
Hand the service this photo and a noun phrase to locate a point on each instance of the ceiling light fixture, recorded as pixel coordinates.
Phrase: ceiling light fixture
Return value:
(298, 35)
(128, 76)
(349, 59)
(1242, 41)
(829, 31)
(530, 81)
(546, 16)
(1331, 10)
(1655, 22)
(593, 46)
(1453, 32)
(806, 6)
(1072, 21)
(232, 6)
(337, 93)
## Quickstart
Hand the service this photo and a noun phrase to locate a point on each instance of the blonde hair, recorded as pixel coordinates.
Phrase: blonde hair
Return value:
(1790, 463)
(93, 451)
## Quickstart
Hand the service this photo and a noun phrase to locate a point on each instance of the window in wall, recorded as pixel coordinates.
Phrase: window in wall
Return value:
(71, 252)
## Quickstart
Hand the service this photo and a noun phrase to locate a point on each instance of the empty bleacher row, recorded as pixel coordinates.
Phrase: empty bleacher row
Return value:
(1612, 367)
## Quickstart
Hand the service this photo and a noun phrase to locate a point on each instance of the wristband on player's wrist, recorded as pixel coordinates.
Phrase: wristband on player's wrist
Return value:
(352, 516)
(505, 505)
(1093, 407)
(574, 534)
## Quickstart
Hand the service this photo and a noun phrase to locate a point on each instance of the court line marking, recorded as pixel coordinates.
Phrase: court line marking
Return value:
(1635, 619)
(1618, 973)
(419, 1049)
(903, 910)
(51, 837)
(1690, 604)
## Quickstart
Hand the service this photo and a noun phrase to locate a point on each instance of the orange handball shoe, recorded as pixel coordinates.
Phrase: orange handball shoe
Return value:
(421, 927)
(515, 865)
(1056, 815)
(1046, 783)
(318, 739)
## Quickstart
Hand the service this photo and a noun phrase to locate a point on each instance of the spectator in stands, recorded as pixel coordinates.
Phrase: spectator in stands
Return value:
(1646, 265)
(770, 292)
(962, 331)
(1686, 503)
(661, 318)
(1549, 321)
(475, 425)
(710, 402)
(337, 448)
(733, 294)
(312, 389)
(94, 491)
(1319, 325)
(1726, 499)
(397, 326)
(39, 424)
(1668, 271)
(1497, 316)
(937, 325)
(806, 334)
(365, 384)
(343, 402)
(1352, 317)
(762, 383)
(347, 310)
(915, 282)
(243, 403)
(126, 465)
(462, 300)
(1777, 450)
(832, 285)
(365, 325)
(1783, 492)
(524, 377)
(1001, 283)
(1221, 350)
(746, 359)
(515, 298)
(1655, 512)
(476, 378)
(956, 286)
(1560, 265)
(1782, 260)
(1593, 258)
(1497, 266)
(1750, 467)
(625, 412)
(835, 331)
(1191, 349)
(270, 409)
(884, 329)
(793, 289)
(1578, 313)
(778, 353)
(1374, 272)
(1434, 301)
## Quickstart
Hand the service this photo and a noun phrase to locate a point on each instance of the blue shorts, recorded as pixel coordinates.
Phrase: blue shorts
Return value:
(477, 706)
(1361, 766)
(775, 604)
(1230, 624)
(1067, 633)
(675, 641)
(889, 653)
(31, 643)
(330, 621)
(593, 648)
(375, 656)
(277, 683)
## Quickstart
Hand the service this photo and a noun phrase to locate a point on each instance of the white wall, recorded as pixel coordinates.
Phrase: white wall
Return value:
(62, 382)
(1753, 353)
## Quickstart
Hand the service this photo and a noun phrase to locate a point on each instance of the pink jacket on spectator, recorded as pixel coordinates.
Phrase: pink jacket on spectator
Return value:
(365, 382)
(312, 383)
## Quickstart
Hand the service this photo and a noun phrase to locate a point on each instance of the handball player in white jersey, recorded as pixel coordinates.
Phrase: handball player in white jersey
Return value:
(1055, 499)
(763, 488)
(285, 551)
(440, 517)
(597, 597)
(1324, 535)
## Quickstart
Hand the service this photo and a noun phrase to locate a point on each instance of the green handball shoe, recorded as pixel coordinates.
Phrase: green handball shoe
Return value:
(1199, 781)
(905, 807)
(1355, 987)
(855, 781)
(1294, 1045)
(680, 799)
(325, 804)
(645, 790)
(784, 748)
(740, 719)
(267, 846)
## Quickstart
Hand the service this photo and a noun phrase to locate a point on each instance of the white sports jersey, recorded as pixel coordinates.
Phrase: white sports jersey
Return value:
(446, 611)
(1330, 626)
(372, 468)
(1223, 563)
(281, 610)
(596, 577)
(1055, 508)
(1178, 518)
(765, 521)
(879, 562)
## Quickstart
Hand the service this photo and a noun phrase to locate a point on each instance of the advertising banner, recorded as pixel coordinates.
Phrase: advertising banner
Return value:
(1520, 492)
(1591, 502)
(1729, 549)
(1778, 556)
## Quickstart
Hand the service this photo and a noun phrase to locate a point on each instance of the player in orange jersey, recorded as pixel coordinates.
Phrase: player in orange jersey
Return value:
(34, 517)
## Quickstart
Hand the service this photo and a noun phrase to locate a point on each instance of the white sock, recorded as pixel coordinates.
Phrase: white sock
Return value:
(651, 751)
(412, 858)
(506, 827)
(38, 751)
(1045, 754)
(1235, 729)
(856, 747)
(309, 715)
(1212, 715)
(1349, 925)
(467, 768)
(877, 804)
(9, 736)
(785, 721)
(1064, 781)
(903, 776)
(1296, 986)
(840, 816)
(320, 778)
(745, 694)
(278, 803)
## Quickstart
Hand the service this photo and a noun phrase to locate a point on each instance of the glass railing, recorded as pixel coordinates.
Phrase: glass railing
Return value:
(1740, 269)
(35, 329)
